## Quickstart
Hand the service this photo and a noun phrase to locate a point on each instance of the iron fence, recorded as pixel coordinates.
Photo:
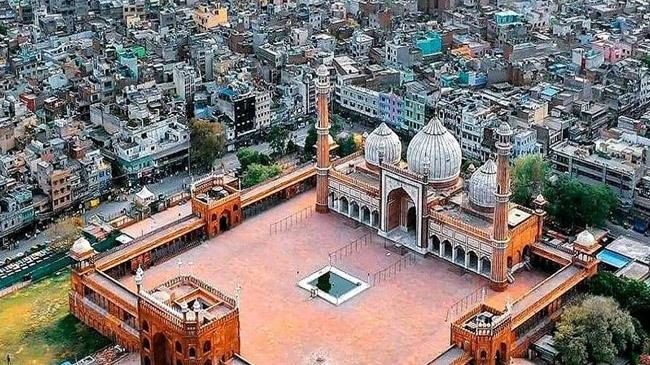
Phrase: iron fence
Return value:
(393, 269)
(291, 220)
(350, 248)
(468, 301)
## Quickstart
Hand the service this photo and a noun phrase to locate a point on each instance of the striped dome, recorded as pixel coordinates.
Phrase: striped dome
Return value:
(383, 139)
(483, 184)
(436, 148)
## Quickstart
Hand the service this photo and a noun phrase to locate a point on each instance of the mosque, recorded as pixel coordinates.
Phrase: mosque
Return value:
(424, 204)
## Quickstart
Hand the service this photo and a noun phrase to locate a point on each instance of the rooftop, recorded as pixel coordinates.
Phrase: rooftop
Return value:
(631, 248)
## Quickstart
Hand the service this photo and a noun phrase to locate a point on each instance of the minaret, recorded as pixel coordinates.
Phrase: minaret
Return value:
(500, 234)
(322, 146)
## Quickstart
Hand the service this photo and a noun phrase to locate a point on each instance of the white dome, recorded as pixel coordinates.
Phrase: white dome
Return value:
(483, 184)
(81, 246)
(383, 140)
(585, 238)
(438, 148)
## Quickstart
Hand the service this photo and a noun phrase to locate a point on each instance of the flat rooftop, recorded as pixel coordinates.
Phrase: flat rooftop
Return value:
(631, 248)
(398, 321)
(158, 220)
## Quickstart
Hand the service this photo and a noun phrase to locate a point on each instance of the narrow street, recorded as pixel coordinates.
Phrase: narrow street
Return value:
(168, 185)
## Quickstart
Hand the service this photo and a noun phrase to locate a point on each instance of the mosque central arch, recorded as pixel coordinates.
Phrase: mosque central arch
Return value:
(402, 212)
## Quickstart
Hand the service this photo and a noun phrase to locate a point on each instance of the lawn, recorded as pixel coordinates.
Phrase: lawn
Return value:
(37, 328)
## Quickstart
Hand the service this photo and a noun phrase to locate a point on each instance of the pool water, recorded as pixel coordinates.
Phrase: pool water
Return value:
(333, 284)
(613, 258)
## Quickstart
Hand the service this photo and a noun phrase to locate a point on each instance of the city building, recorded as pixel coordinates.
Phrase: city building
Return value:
(208, 16)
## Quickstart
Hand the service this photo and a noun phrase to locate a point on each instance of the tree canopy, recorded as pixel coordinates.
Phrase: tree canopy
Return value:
(597, 330)
(256, 173)
(572, 203)
(349, 144)
(632, 295)
(278, 138)
(248, 156)
(529, 178)
(310, 141)
(207, 142)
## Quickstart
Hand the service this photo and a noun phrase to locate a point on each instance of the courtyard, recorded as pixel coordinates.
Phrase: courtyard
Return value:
(400, 320)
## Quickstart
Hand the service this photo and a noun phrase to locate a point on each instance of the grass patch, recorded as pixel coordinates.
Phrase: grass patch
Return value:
(37, 328)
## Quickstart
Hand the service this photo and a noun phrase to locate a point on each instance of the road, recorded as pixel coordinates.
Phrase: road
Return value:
(616, 231)
(166, 186)
(107, 209)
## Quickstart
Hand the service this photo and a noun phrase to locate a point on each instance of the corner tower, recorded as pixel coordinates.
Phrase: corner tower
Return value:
(501, 234)
(323, 132)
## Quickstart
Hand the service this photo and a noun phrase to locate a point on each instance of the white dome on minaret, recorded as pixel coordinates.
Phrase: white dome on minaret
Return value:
(383, 141)
(436, 145)
(482, 185)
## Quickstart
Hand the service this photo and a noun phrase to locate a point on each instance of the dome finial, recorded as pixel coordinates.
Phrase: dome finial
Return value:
(139, 277)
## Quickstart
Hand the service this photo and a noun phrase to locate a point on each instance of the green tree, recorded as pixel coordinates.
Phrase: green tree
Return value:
(572, 203)
(336, 124)
(633, 295)
(248, 156)
(256, 173)
(207, 142)
(646, 60)
(597, 330)
(278, 138)
(347, 145)
(323, 282)
(310, 141)
(292, 147)
(529, 177)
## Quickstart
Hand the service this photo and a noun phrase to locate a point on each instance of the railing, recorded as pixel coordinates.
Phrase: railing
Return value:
(120, 293)
(281, 175)
(166, 315)
(350, 248)
(521, 316)
(137, 240)
(354, 182)
(347, 158)
(220, 201)
(208, 327)
(393, 269)
(460, 225)
(290, 220)
(178, 197)
(501, 323)
(474, 298)
(406, 173)
(187, 278)
(10, 289)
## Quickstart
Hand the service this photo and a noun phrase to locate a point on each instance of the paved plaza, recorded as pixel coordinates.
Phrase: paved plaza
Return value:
(399, 321)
